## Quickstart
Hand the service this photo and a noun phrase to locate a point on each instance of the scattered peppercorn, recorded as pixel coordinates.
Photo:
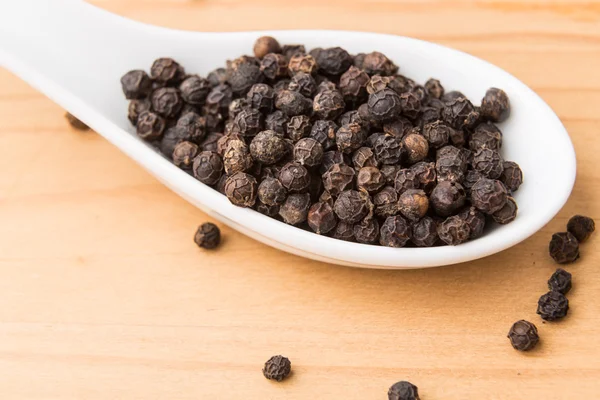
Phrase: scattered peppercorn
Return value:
(342, 145)
(208, 236)
(581, 227)
(403, 390)
(277, 368)
(523, 335)
(77, 124)
(564, 248)
(560, 281)
(552, 306)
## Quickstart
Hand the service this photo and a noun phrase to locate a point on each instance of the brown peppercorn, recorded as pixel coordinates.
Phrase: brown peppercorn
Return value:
(261, 97)
(451, 164)
(240, 189)
(512, 176)
(208, 236)
(277, 368)
(581, 227)
(150, 126)
(384, 105)
(437, 134)
(447, 197)
(506, 214)
(454, 230)
(167, 71)
(426, 175)
(267, 147)
(378, 83)
(208, 167)
(321, 218)
(424, 232)
(294, 209)
(298, 127)
(460, 113)
(475, 219)
(274, 66)
(77, 124)
(294, 177)
(353, 85)
(366, 231)
(488, 162)
(303, 83)
(370, 179)
(350, 137)
(377, 63)
(237, 157)
(413, 204)
(323, 131)
(136, 84)
(410, 105)
(324, 84)
(523, 335)
(352, 206)
(248, 122)
(223, 142)
(495, 105)
(403, 390)
(564, 248)
(405, 179)
(364, 157)
(488, 195)
(552, 306)
(338, 178)
(416, 148)
(328, 104)
(271, 192)
(486, 135)
(166, 102)
(290, 50)
(136, 107)
(302, 63)
(308, 152)
(265, 45)
(194, 90)
(184, 154)
(434, 88)
(386, 202)
(218, 99)
(388, 149)
(560, 281)
(292, 103)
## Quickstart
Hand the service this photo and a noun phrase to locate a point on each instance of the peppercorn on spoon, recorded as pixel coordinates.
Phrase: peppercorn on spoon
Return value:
(76, 53)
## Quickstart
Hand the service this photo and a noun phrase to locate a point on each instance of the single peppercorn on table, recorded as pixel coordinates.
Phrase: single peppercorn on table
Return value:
(105, 295)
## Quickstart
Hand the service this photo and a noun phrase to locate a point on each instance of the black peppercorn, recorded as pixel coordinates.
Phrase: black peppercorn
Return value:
(460, 113)
(447, 197)
(410, 105)
(353, 85)
(323, 131)
(475, 219)
(389, 172)
(451, 164)
(452, 95)
(338, 178)
(184, 154)
(277, 122)
(377, 63)
(366, 231)
(386, 202)
(437, 134)
(332, 157)
(344, 231)
(388, 149)
(261, 97)
(488, 162)
(237, 157)
(399, 127)
(166, 102)
(150, 126)
(506, 214)
(364, 157)
(495, 105)
(274, 66)
(240, 189)
(581, 227)
(192, 126)
(277, 368)
(308, 152)
(424, 232)
(294, 177)
(321, 218)
(216, 77)
(560, 281)
(194, 90)
(486, 135)
(413, 204)
(564, 248)
(384, 105)
(350, 137)
(265, 45)
(416, 148)
(77, 124)
(208, 236)
(269, 211)
(136, 84)
(290, 50)
(302, 63)
(242, 74)
(248, 122)
(434, 88)
(370, 179)
(218, 99)
(294, 209)
(403, 391)
(395, 232)
(271, 192)
(333, 61)
(328, 104)
(425, 174)
(167, 71)
(208, 167)
(303, 83)
(210, 142)
(523, 335)
(292, 103)
(552, 306)
(454, 230)
(136, 107)
(352, 206)
(405, 179)
(298, 127)
(488, 195)
(512, 176)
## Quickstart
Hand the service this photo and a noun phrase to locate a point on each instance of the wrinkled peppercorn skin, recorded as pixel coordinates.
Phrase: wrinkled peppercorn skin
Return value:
(208, 236)
(523, 335)
(552, 306)
(581, 227)
(560, 281)
(277, 368)
(403, 390)
(564, 248)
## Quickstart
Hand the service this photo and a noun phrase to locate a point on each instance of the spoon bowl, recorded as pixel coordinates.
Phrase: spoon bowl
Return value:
(76, 53)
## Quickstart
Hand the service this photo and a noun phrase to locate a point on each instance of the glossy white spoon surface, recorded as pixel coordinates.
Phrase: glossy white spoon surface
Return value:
(76, 53)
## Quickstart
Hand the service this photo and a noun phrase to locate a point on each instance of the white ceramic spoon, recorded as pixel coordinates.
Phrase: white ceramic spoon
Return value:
(76, 53)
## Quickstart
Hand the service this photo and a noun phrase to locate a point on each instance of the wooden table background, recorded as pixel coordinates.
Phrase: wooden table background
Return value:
(103, 294)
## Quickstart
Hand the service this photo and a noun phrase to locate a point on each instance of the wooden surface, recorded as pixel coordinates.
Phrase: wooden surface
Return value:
(104, 295)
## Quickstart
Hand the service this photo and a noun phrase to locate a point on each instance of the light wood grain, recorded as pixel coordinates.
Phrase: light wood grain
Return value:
(104, 295)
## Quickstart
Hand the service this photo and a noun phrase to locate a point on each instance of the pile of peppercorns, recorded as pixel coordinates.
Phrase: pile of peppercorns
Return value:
(554, 305)
(342, 145)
